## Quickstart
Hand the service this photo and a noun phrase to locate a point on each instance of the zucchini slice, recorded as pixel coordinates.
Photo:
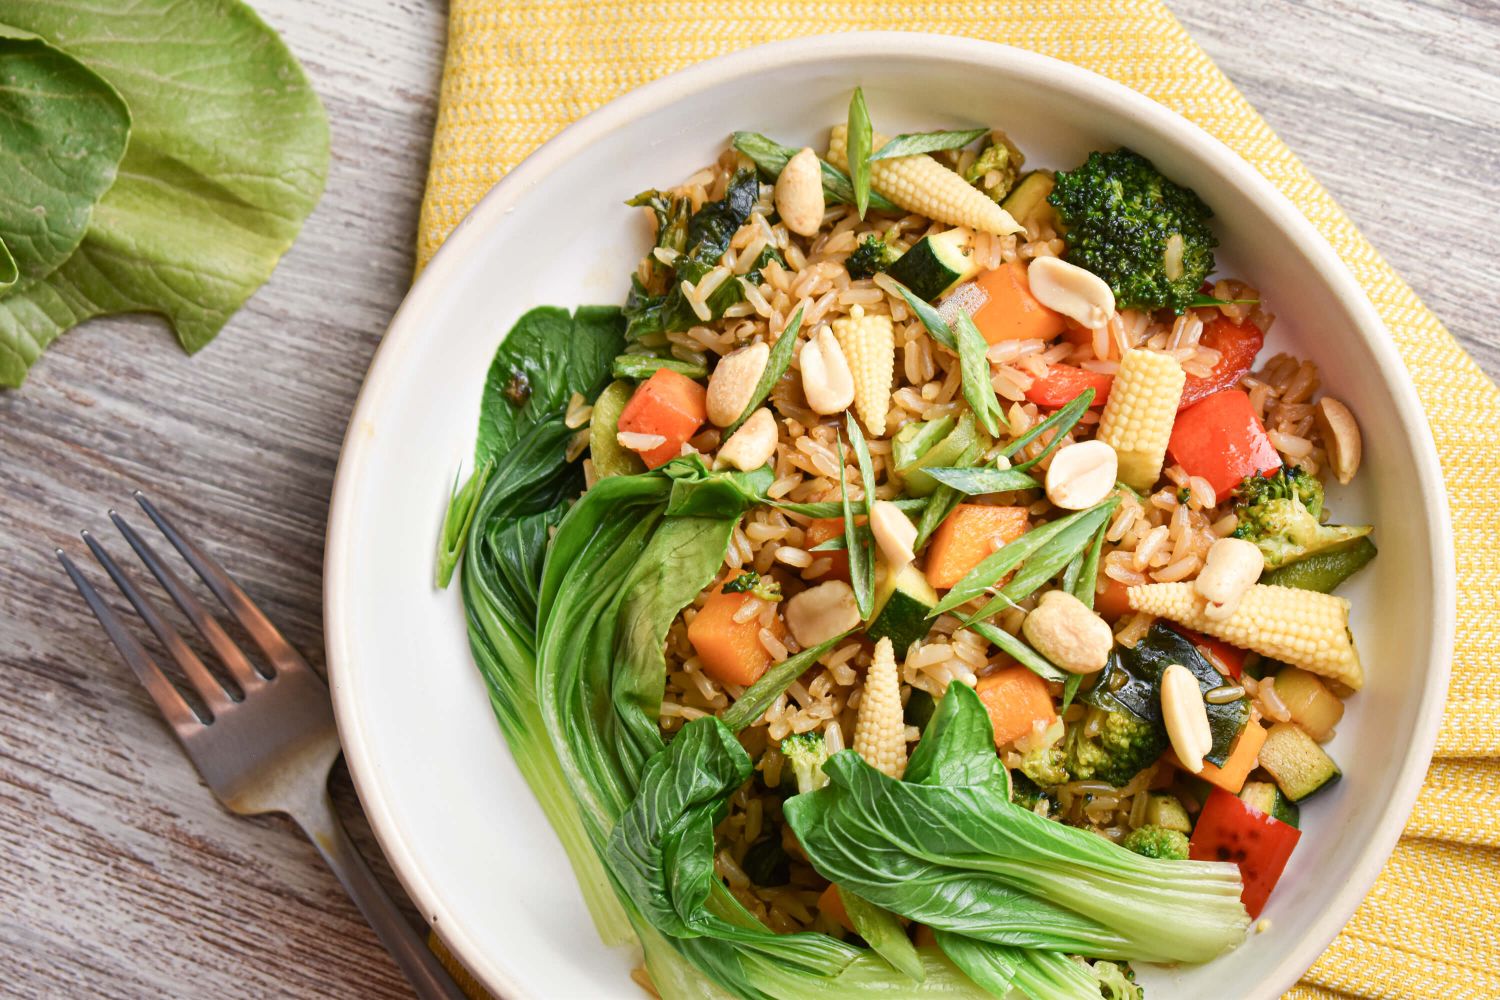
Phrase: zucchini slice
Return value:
(1166, 811)
(902, 603)
(1299, 765)
(1269, 799)
(1029, 195)
(936, 264)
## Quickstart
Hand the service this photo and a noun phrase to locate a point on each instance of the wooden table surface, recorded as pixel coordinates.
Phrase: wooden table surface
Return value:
(121, 877)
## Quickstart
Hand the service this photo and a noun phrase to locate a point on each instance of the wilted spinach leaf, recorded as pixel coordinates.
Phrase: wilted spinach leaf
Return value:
(698, 491)
(707, 237)
(1131, 682)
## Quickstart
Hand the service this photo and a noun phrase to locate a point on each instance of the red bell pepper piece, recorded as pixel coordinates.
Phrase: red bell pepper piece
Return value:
(669, 405)
(1232, 657)
(1237, 344)
(1229, 829)
(1064, 383)
(1221, 439)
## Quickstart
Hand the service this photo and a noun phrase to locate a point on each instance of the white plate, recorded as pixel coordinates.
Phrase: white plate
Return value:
(452, 813)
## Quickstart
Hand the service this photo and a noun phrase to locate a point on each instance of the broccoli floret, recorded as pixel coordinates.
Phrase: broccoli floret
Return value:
(806, 753)
(870, 258)
(1028, 795)
(1124, 746)
(1280, 515)
(1046, 766)
(1146, 236)
(752, 582)
(1001, 159)
(1288, 481)
(1157, 842)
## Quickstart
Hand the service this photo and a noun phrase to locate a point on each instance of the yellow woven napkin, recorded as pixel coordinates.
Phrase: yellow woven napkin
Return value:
(517, 71)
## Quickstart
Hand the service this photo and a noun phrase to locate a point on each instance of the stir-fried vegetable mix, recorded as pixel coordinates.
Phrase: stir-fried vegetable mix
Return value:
(930, 600)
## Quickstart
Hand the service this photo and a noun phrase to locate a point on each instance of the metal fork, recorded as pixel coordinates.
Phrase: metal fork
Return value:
(266, 747)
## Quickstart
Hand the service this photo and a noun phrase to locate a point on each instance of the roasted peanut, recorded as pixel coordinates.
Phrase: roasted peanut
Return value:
(733, 382)
(827, 381)
(894, 533)
(1066, 632)
(1340, 437)
(1230, 570)
(799, 193)
(1082, 474)
(752, 445)
(822, 612)
(1067, 288)
(1186, 719)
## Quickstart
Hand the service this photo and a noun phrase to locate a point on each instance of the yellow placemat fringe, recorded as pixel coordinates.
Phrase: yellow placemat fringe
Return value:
(517, 71)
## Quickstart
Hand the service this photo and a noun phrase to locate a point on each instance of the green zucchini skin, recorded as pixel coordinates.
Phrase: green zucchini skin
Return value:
(935, 264)
(1324, 571)
(903, 604)
(1299, 766)
(1269, 799)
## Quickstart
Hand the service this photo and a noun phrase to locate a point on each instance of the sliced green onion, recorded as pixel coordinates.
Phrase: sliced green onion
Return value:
(939, 505)
(1018, 651)
(974, 366)
(832, 508)
(769, 156)
(1049, 559)
(861, 566)
(758, 696)
(776, 366)
(929, 317)
(973, 482)
(1063, 421)
(913, 143)
(1000, 562)
(860, 137)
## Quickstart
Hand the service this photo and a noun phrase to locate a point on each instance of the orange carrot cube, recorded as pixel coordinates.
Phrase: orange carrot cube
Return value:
(668, 405)
(1011, 312)
(1016, 699)
(731, 651)
(967, 536)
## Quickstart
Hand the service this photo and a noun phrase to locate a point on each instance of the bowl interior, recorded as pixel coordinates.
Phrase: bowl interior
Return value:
(450, 808)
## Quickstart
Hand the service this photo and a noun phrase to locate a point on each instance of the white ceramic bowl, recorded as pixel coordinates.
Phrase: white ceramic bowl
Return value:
(452, 813)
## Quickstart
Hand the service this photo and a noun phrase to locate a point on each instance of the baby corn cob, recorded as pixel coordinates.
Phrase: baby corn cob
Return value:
(1300, 627)
(1137, 420)
(923, 185)
(880, 730)
(869, 344)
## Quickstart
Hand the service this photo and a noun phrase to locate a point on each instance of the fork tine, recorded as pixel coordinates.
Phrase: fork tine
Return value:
(205, 683)
(270, 640)
(179, 715)
(232, 656)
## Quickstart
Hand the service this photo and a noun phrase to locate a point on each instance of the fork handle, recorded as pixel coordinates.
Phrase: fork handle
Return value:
(422, 969)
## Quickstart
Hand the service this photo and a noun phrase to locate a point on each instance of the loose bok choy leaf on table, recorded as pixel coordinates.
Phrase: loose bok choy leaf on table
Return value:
(52, 101)
(226, 154)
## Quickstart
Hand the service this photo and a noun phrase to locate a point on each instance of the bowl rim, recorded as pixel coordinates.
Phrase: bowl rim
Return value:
(1055, 76)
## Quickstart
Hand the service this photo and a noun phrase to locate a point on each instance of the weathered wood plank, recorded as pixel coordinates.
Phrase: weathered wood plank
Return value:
(122, 877)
